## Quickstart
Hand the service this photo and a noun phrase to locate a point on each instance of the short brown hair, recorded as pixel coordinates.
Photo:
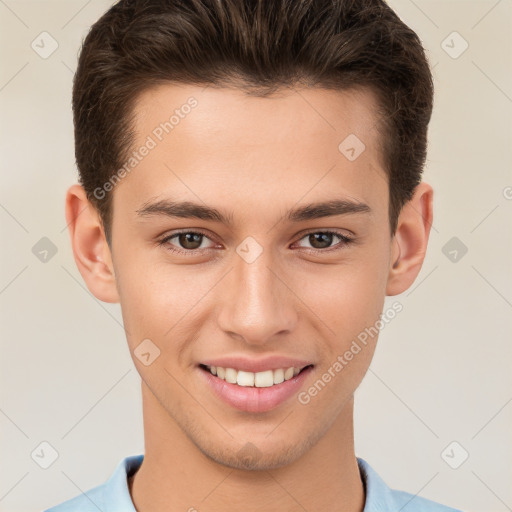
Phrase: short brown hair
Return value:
(257, 46)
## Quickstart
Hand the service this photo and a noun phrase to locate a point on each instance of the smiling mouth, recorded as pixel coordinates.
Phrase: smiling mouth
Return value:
(264, 379)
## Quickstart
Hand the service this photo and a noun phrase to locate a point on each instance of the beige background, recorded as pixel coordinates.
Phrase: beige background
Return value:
(442, 370)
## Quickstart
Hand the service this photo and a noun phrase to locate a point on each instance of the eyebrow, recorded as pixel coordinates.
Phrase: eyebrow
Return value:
(190, 210)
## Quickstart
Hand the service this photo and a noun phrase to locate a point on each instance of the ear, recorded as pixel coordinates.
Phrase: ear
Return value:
(410, 240)
(90, 248)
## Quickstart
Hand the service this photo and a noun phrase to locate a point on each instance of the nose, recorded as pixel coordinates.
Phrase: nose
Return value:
(257, 304)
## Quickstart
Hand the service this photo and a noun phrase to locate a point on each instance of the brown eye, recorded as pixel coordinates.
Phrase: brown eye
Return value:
(320, 240)
(186, 242)
(323, 240)
(190, 240)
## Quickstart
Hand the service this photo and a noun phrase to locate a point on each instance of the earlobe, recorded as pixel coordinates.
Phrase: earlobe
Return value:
(90, 249)
(411, 240)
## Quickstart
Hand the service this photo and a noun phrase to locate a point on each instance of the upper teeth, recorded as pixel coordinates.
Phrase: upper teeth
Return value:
(260, 379)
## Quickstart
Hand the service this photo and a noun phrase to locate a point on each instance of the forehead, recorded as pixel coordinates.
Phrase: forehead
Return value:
(230, 112)
(210, 142)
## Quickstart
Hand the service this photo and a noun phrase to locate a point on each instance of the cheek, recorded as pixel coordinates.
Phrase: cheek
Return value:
(160, 301)
(347, 297)
(349, 301)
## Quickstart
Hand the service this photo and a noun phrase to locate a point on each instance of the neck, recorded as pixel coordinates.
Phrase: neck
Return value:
(177, 475)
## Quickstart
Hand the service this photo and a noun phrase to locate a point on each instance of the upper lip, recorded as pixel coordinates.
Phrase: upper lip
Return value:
(257, 365)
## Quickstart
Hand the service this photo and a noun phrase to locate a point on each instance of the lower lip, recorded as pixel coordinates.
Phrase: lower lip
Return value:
(252, 399)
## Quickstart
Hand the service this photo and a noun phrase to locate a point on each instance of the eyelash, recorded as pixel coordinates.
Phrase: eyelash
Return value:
(345, 240)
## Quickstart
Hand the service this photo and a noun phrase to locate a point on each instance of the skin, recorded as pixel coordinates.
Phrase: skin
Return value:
(254, 159)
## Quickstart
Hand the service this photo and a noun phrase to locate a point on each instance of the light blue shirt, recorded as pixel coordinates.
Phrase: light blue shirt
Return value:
(114, 495)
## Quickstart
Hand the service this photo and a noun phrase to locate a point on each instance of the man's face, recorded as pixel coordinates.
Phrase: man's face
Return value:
(262, 284)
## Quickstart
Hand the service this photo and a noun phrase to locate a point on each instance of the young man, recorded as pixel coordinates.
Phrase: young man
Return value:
(250, 191)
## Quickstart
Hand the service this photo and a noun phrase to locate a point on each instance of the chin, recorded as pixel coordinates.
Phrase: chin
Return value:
(258, 453)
